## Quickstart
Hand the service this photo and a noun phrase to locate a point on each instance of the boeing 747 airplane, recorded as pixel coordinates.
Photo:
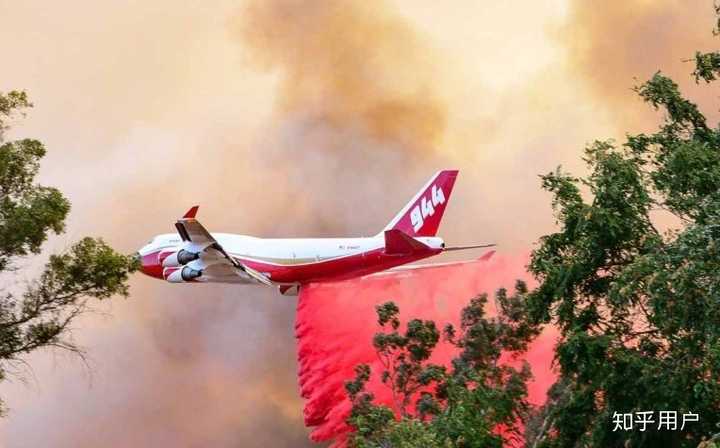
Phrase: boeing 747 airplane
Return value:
(195, 255)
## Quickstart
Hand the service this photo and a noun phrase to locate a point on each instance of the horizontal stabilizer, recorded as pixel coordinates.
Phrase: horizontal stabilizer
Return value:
(477, 246)
(398, 242)
(420, 267)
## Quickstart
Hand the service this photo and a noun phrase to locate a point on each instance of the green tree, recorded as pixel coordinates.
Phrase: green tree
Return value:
(40, 313)
(462, 405)
(638, 308)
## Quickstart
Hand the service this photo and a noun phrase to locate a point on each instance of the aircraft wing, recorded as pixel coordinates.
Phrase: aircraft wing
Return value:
(192, 231)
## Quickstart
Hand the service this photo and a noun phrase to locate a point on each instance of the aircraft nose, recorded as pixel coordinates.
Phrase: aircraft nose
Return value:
(150, 264)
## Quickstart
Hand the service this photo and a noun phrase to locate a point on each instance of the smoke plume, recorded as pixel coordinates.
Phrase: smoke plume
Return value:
(290, 118)
(349, 66)
(615, 46)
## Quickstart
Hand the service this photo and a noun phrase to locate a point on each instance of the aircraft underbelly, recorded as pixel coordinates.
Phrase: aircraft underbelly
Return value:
(341, 268)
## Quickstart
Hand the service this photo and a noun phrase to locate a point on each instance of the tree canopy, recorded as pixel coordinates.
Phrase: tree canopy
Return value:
(40, 313)
(637, 307)
(462, 405)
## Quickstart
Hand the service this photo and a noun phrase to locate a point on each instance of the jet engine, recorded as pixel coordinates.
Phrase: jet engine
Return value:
(178, 258)
(181, 275)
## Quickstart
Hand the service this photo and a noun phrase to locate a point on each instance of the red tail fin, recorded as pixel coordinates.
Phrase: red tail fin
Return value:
(421, 216)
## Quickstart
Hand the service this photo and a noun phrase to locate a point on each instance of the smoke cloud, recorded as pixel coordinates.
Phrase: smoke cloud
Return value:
(289, 118)
(613, 47)
(355, 93)
(348, 66)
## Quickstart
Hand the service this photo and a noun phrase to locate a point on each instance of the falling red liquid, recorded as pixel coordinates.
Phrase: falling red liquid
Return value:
(336, 323)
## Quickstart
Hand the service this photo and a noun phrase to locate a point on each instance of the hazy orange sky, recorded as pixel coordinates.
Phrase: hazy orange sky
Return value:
(294, 118)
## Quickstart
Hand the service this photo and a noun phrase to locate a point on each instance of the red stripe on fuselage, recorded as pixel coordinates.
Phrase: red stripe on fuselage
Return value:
(337, 268)
(340, 268)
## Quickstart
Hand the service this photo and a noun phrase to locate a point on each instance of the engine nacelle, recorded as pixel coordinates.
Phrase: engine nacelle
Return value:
(163, 254)
(181, 274)
(178, 258)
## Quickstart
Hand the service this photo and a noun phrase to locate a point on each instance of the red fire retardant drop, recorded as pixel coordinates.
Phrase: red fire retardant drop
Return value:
(336, 323)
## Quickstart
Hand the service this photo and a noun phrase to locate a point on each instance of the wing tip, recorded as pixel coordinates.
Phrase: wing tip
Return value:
(192, 212)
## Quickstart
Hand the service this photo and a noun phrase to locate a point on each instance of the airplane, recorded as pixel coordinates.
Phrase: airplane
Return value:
(194, 255)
